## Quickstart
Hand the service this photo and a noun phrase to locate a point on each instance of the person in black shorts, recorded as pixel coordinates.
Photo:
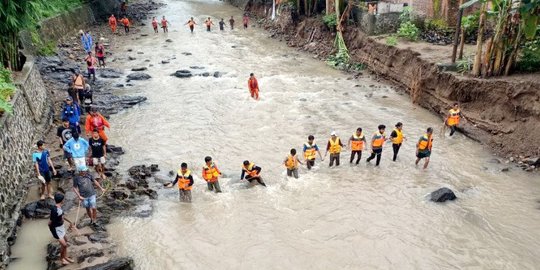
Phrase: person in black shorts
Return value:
(57, 228)
(64, 133)
(98, 153)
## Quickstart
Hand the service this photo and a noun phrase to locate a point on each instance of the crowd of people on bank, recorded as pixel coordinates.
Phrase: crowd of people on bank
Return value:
(81, 153)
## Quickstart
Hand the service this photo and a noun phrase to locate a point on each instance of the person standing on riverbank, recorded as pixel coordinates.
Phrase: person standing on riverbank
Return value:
(43, 165)
(98, 152)
(185, 183)
(453, 118)
(210, 174)
(245, 20)
(126, 24)
(57, 228)
(91, 65)
(96, 121)
(356, 142)
(209, 24)
(86, 40)
(231, 22)
(291, 163)
(191, 23)
(310, 152)
(78, 86)
(100, 54)
(397, 139)
(251, 172)
(77, 147)
(64, 133)
(72, 112)
(113, 23)
(253, 86)
(155, 25)
(334, 146)
(165, 25)
(377, 142)
(423, 147)
(83, 186)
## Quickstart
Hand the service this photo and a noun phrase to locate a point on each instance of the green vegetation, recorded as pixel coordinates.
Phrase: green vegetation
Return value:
(464, 65)
(391, 40)
(409, 31)
(530, 56)
(330, 20)
(7, 89)
(470, 23)
(436, 24)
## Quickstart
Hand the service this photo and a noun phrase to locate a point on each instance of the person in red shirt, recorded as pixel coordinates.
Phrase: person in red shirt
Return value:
(155, 25)
(112, 23)
(96, 121)
(253, 86)
(165, 25)
(100, 54)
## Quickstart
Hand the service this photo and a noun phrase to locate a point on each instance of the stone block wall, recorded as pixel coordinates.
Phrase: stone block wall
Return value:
(32, 113)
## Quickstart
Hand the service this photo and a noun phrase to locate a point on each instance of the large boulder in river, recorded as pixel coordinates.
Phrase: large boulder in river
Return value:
(442, 195)
(125, 263)
(109, 73)
(38, 209)
(183, 73)
(138, 76)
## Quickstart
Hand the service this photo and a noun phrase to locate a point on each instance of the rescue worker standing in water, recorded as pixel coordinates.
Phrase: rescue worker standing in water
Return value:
(356, 142)
(310, 152)
(334, 146)
(397, 138)
(377, 142)
(185, 183)
(452, 120)
(251, 172)
(291, 163)
(253, 86)
(423, 147)
(210, 174)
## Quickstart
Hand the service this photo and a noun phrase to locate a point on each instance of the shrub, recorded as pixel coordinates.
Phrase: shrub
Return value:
(530, 56)
(464, 65)
(408, 31)
(470, 23)
(391, 41)
(330, 20)
(7, 89)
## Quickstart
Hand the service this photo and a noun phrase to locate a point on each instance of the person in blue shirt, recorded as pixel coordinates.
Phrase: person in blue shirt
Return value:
(72, 112)
(43, 165)
(86, 40)
(77, 147)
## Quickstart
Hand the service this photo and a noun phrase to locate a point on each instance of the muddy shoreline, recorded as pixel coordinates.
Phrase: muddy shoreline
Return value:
(502, 113)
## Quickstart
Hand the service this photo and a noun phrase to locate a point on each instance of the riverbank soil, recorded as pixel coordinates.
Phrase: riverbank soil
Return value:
(503, 113)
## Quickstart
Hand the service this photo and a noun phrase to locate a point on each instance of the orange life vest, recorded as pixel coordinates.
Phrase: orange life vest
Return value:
(112, 21)
(292, 162)
(335, 146)
(249, 170)
(78, 83)
(210, 173)
(378, 140)
(253, 84)
(310, 152)
(357, 142)
(453, 118)
(399, 138)
(425, 143)
(183, 180)
(125, 21)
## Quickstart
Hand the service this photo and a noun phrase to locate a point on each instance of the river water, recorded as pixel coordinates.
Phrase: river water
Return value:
(350, 217)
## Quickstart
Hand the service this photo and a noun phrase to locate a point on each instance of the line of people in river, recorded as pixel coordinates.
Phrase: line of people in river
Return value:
(164, 23)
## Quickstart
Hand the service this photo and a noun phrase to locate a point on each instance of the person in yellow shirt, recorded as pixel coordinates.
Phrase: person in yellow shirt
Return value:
(334, 147)
(291, 163)
(357, 142)
(397, 139)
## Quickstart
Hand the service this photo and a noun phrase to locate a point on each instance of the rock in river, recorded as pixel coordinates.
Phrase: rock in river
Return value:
(183, 73)
(109, 73)
(139, 76)
(442, 195)
(139, 69)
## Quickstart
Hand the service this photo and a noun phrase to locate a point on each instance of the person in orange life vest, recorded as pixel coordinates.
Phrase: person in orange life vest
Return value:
(112, 23)
(291, 163)
(334, 146)
(251, 172)
(165, 25)
(210, 174)
(79, 84)
(397, 138)
(377, 142)
(253, 86)
(96, 121)
(357, 142)
(209, 24)
(453, 118)
(100, 54)
(126, 24)
(185, 183)
(91, 65)
(155, 25)
(191, 23)
(310, 152)
(423, 147)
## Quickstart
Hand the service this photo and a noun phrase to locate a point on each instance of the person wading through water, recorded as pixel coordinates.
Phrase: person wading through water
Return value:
(423, 147)
(357, 142)
(377, 142)
(155, 25)
(191, 23)
(334, 146)
(310, 152)
(253, 86)
(231, 22)
(251, 172)
(210, 174)
(165, 25)
(291, 163)
(397, 139)
(209, 24)
(185, 183)
(453, 118)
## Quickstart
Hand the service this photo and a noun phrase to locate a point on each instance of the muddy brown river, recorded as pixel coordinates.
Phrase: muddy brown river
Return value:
(349, 217)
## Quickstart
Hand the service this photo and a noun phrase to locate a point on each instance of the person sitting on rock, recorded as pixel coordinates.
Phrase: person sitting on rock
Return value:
(83, 186)
(57, 228)
(251, 172)
(184, 179)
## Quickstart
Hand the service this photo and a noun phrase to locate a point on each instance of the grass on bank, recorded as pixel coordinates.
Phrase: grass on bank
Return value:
(7, 89)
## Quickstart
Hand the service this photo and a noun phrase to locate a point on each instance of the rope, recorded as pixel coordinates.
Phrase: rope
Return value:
(107, 184)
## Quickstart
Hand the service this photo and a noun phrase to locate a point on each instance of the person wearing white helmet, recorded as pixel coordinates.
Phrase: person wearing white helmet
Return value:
(334, 147)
